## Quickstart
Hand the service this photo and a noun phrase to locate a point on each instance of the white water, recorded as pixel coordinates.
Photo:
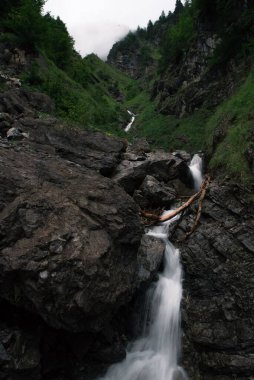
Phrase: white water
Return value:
(128, 127)
(196, 170)
(155, 355)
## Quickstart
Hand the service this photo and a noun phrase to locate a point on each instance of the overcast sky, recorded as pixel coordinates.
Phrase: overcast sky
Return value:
(96, 24)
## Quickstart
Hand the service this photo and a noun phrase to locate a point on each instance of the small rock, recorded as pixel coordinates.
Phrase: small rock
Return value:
(16, 134)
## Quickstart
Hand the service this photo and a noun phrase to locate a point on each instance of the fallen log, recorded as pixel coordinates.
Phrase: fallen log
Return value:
(172, 214)
(202, 197)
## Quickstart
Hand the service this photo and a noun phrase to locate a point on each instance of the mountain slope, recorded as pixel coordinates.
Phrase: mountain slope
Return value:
(204, 68)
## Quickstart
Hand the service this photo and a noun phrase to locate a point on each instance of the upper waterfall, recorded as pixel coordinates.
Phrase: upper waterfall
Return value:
(196, 171)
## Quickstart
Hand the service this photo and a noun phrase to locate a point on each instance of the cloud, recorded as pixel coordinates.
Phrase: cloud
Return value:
(97, 24)
(98, 38)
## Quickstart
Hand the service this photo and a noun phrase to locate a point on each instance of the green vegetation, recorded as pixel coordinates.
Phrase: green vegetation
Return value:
(23, 18)
(233, 22)
(178, 38)
(88, 101)
(86, 91)
(167, 131)
(234, 121)
(91, 94)
(223, 134)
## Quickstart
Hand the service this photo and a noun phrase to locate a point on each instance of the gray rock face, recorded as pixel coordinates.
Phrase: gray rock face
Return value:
(161, 165)
(63, 227)
(218, 318)
(72, 252)
(153, 194)
(193, 83)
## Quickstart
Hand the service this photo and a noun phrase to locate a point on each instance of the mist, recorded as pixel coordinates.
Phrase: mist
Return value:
(96, 25)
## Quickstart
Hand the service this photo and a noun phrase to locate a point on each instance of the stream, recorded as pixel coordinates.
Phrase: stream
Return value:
(155, 355)
(128, 126)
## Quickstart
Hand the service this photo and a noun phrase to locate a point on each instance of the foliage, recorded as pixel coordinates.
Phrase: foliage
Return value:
(92, 94)
(89, 101)
(57, 42)
(230, 153)
(34, 31)
(233, 22)
(178, 8)
(178, 38)
(7, 5)
(26, 22)
(232, 121)
(165, 131)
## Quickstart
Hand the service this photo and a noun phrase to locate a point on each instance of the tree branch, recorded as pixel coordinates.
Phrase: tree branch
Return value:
(201, 193)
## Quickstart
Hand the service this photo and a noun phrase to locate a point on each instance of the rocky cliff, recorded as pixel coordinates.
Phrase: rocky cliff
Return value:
(75, 262)
(72, 251)
(218, 302)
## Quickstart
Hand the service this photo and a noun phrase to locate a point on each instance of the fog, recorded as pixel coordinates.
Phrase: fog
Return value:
(96, 24)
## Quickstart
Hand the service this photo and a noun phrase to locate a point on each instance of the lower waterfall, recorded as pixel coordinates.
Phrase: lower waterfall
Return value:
(155, 355)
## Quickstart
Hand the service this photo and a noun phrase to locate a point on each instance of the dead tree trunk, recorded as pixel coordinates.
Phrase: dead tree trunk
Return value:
(201, 193)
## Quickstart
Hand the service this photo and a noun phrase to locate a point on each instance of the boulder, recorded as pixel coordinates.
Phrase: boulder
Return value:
(153, 194)
(69, 241)
(161, 165)
(139, 147)
(16, 134)
(130, 174)
(38, 101)
(84, 147)
(150, 257)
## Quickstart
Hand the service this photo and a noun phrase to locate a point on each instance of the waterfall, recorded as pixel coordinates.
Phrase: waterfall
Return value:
(154, 356)
(128, 127)
(196, 171)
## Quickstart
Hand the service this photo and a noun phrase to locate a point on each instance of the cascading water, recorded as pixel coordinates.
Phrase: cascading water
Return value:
(196, 171)
(128, 127)
(155, 355)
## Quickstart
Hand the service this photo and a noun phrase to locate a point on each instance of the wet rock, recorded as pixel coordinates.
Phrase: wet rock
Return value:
(65, 245)
(161, 165)
(153, 194)
(219, 287)
(183, 155)
(19, 351)
(130, 174)
(150, 257)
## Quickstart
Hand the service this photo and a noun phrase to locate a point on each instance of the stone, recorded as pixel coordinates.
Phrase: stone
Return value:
(183, 155)
(150, 256)
(69, 241)
(161, 165)
(219, 287)
(156, 194)
(130, 174)
(139, 147)
(16, 134)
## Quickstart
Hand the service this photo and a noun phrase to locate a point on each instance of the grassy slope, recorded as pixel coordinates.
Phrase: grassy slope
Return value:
(90, 104)
(87, 102)
(236, 117)
(232, 121)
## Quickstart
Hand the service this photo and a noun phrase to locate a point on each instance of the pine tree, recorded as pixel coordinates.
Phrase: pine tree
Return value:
(178, 7)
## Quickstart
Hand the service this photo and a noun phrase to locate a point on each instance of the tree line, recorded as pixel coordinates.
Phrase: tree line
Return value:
(25, 23)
